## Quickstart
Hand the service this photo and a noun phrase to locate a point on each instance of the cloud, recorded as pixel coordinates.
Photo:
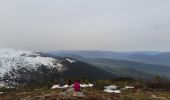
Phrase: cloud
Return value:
(85, 25)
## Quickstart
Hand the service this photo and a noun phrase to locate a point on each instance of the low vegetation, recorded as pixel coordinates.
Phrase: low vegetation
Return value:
(157, 88)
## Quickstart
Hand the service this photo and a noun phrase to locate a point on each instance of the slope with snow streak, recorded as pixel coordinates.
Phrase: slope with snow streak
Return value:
(13, 59)
(22, 67)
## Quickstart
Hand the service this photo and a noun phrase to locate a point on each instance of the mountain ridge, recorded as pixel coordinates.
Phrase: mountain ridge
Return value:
(150, 57)
(28, 67)
(123, 66)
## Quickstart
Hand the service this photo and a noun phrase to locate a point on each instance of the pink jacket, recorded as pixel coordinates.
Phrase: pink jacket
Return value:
(76, 86)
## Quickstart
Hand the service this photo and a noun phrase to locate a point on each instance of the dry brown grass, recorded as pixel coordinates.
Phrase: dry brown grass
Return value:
(91, 94)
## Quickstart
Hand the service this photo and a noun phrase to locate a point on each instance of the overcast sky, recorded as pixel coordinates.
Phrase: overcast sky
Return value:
(114, 25)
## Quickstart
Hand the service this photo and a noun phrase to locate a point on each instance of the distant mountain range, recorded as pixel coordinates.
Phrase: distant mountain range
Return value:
(151, 57)
(133, 64)
(160, 58)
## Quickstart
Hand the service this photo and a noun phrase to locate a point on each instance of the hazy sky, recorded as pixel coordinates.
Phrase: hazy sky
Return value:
(116, 25)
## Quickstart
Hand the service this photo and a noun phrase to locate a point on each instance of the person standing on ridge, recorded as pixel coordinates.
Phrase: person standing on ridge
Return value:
(76, 87)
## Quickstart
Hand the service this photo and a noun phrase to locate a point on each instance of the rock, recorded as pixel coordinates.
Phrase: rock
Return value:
(156, 97)
(153, 96)
(70, 92)
(80, 94)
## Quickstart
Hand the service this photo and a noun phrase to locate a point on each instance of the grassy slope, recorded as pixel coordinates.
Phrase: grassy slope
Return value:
(84, 70)
(128, 68)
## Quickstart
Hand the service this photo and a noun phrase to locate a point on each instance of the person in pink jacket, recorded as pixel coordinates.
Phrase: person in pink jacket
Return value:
(76, 87)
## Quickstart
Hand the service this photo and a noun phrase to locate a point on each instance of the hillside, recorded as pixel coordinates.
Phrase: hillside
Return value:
(160, 59)
(19, 67)
(150, 57)
(125, 63)
(130, 68)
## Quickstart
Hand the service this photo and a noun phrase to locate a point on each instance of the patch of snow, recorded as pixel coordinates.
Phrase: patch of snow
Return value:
(59, 87)
(70, 60)
(91, 85)
(71, 85)
(117, 91)
(112, 91)
(65, 86)
(108, 90)
(1, 84)
(129, 87)
(112, 87)
(1, 92)
(54, 86)
(86, 85)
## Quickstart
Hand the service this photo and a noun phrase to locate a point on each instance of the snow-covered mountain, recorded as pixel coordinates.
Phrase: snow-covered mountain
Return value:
(20, 67)
(15, 59)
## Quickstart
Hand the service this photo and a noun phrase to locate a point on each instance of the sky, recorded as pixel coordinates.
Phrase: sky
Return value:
(110, 25)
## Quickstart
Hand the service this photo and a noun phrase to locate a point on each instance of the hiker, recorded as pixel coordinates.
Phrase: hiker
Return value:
(61, 82)
(76, 87)
(69, 82)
